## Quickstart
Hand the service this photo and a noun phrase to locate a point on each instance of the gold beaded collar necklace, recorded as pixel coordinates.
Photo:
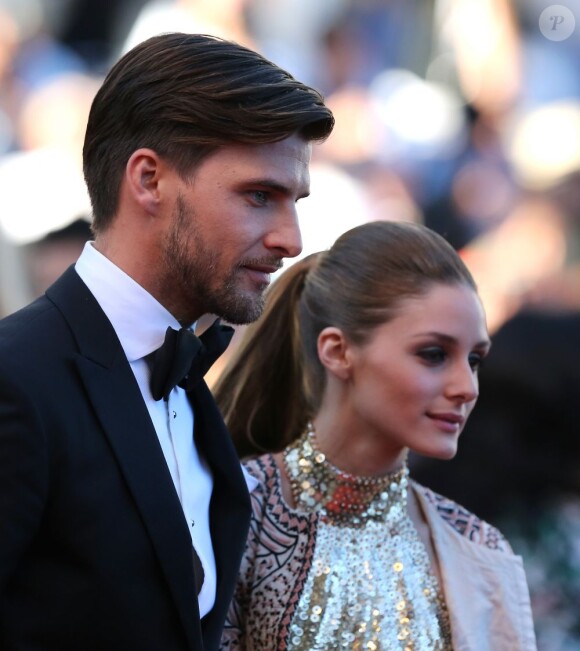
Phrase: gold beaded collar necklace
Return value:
(342, 498)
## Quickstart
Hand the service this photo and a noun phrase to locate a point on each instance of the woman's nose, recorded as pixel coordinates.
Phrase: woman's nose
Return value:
(464, 384)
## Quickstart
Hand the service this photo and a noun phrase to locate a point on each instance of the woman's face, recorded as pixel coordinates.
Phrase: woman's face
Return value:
(414, 383)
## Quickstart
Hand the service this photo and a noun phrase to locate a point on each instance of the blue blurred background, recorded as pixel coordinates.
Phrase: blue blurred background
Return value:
(460, 114)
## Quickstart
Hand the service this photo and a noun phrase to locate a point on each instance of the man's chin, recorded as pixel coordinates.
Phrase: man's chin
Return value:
(247, 309)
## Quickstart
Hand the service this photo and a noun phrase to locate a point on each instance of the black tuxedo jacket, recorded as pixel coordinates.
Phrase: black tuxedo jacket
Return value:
(95, 553)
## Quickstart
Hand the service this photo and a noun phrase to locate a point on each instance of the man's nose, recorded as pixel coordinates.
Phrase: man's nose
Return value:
(285, 236)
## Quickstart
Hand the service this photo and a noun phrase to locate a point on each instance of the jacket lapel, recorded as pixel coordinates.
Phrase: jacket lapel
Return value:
(485, 590)
(230, 504)
(115, 395)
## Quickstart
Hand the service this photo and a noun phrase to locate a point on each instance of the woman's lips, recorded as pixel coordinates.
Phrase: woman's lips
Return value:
(447, 421)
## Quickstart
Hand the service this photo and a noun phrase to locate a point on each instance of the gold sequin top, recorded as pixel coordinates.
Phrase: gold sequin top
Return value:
(370, 586)
(344, 572)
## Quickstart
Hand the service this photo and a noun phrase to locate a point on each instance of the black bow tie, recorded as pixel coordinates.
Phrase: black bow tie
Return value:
(184, 358)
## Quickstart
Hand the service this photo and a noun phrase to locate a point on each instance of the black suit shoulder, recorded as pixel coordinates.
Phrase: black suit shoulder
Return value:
(27, 324)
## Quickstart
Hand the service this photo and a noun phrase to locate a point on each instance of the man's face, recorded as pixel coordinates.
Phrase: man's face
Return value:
(234, 222)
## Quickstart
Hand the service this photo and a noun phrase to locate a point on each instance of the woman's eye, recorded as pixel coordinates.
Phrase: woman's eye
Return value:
(432, 356)
(475, 361)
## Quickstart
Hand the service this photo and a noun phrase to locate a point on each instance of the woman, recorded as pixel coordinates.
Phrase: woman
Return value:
(364, 352)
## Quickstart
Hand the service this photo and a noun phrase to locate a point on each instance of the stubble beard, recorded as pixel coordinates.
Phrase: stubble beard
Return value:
(191, 269)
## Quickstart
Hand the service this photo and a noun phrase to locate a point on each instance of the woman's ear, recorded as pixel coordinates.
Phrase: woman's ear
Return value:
(142, 175)
(334, 352)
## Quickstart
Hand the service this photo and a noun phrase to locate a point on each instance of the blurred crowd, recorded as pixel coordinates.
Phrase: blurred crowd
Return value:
(461, 114)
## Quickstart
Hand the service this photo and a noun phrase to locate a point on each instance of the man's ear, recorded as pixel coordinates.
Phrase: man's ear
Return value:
(334, 352)
(142, 175)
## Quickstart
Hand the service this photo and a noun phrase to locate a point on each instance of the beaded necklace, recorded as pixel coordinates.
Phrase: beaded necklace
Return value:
(370, 585)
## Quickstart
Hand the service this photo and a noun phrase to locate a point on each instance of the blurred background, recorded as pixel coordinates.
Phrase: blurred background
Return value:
(460, 114)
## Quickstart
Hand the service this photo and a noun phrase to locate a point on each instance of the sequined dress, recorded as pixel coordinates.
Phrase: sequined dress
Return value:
(345, 571)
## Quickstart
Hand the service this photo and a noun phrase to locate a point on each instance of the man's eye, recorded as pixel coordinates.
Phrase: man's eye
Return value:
(432, 355)
(259, 196)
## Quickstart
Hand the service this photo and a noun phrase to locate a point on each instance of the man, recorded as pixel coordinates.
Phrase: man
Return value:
(118, 529)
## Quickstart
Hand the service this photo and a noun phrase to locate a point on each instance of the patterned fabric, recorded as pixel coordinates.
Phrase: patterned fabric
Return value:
(466, 523)
(279, 556)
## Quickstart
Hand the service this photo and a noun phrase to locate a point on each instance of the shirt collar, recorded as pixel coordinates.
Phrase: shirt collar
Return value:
(139, 320)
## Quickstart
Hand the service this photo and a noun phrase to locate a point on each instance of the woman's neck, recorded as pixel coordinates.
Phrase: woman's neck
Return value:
(354, 449)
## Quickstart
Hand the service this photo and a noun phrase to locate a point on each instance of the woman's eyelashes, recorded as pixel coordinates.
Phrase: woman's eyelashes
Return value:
(433, 355)
(437, 355)
(476, 361)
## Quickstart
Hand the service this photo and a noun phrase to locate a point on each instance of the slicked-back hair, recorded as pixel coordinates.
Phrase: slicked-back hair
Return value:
(274, 382)
(184, 96)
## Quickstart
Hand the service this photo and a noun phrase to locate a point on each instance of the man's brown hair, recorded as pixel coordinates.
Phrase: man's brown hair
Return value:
(185, 95)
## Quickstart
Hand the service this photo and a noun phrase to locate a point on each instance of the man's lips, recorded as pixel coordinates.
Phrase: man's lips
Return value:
(263, 268)
(261, 272)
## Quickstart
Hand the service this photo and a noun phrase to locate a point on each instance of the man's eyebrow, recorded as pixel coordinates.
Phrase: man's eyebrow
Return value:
(274, 185)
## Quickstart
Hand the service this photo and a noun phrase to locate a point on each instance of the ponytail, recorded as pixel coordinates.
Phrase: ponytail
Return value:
(261, 390)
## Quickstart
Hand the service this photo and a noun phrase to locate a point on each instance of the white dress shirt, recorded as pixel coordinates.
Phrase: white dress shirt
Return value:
(140, 322)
